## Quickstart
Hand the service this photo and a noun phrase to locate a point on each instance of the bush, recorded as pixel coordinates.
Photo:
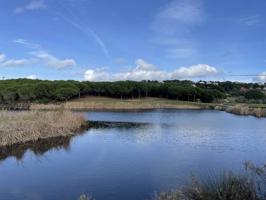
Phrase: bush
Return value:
(63, 94)
(254, 94)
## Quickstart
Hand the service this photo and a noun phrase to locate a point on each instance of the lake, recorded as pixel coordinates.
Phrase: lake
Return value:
(133, 163)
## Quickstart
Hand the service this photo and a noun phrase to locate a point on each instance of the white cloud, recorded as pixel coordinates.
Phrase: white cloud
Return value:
(261, 78)
(27, 44)
(251, 20)
(99, 74)
(179, 16)
(6, 62)
(53, 61)
(42, 57)
(142, 71)
(147, 71)
(33, 5)
(2, 57)
(33, 77)
(15, 62)
(200, 70)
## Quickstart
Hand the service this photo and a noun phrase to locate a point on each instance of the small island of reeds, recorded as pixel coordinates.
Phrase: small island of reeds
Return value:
(24, 126)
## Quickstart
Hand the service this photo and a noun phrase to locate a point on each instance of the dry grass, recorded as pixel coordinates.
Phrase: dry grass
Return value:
(246, 110)
(21, 127)
(102, 103)
(250, 185)
(230, 187)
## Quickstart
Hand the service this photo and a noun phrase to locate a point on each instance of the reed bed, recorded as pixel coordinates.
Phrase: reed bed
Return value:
(117, 104)
(246, 110)
(26, 126)
(125, 106)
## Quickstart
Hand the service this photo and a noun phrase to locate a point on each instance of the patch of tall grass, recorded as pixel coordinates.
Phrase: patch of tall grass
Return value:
(246, 110)
(117, 104)
(25, 126)
(250, 186)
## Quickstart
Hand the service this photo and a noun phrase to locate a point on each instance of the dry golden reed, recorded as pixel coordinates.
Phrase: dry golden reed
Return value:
(25, 126)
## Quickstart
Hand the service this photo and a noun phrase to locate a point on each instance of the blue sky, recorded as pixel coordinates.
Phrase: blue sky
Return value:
(142, 39)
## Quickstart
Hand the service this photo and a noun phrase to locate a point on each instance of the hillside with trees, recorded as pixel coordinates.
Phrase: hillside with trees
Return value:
(44, 91)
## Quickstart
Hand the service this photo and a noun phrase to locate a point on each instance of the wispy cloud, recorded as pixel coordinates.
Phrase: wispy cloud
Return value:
(146, 71)
(27, 44)
(42, 57)
(178, 16)
(251, 20)
(32, 5)
(2, 57)
(53, 61)
(88, 32)
(173, 25)
(15, 62)
(7, 62)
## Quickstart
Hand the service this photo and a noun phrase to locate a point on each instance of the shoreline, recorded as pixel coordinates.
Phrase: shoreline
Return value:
(30, 139)
(46, 121)
(146, 104)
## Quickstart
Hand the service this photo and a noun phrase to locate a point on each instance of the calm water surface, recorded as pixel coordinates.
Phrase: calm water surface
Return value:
(131, 164)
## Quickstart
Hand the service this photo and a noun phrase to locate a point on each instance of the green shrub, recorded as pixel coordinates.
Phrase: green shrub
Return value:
(254, 94)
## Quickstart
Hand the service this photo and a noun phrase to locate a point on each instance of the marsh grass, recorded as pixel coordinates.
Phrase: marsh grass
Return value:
(25, 126)
(250, 186)
(104, 103)
(247, 110)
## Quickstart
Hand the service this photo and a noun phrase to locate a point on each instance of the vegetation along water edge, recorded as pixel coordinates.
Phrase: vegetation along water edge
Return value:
(25, 126)
(250, 185)
(234, 97)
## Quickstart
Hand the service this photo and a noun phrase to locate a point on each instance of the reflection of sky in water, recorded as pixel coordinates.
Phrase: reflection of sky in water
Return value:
(132, 163)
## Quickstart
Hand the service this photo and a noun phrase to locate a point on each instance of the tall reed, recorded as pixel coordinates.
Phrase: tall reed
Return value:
(249, 186)
(25, 126)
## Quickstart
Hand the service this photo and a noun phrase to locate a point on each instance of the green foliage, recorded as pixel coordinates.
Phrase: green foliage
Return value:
(65, 93)
(24, 90)
(254, 94)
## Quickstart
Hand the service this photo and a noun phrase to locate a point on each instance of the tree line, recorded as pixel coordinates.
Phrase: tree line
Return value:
(44, 91)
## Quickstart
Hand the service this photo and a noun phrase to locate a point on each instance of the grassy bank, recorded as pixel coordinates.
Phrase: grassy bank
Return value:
(22, 127)
(104, 103)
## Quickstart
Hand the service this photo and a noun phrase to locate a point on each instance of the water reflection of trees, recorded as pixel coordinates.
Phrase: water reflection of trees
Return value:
(39, 147)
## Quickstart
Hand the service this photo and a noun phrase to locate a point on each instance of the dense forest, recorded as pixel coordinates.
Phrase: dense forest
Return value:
(43, 91)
